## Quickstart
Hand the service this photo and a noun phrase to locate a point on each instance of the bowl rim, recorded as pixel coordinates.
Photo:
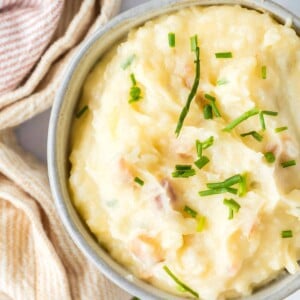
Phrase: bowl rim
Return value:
(55, 186)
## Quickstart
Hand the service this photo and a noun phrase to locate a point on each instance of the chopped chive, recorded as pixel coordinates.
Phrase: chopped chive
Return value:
(132, 77)
(171, 38)
(128, 62)
(289, 163)
(222, 81)
(230, 213)
(270, 157)
(81, 111)
(139, 181)
(270, 113)
(264, 72)
(183, 167)
(190, 211)
(183, 173)
(203, 145)
(286, 234)
(212, 101)
(246, 115)
(135, 92)
(201, 162)
(207, 112)
(280, 129)
(135, 298)
(254, 134)
(199, 148)
(226, 183)
(223, 55)
(194, 42)
(201, 223)
(218, 191)
(242, 191)
(232, 204)
(192, 93)
(262, 121)
(233, 207)
(209, 97)
(180, 283)
(207, 143)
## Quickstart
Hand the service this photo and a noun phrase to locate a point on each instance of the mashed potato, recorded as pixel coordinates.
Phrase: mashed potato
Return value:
(123, 177)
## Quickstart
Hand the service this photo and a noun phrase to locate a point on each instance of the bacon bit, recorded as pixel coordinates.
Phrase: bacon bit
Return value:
(147, 249)
(165, 183)
(158, 201)
(199, 100)
(185, 155)
(170, 190)
(125, 172)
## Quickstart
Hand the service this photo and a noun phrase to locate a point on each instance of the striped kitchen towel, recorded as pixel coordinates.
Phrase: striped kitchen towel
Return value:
(38, 260)
(36, 45)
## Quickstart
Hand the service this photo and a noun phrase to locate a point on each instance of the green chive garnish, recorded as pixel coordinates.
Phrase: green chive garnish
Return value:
(193, 90)
(262, 121)
(254, 134)
(286, 234)
(207, 143)
(242, 191)
(139, 181)
(218, 191)
(240, 119)
(183, 173)
(289, 163)
(270, 157)
(264, 72)
(135, 92)
(128, 62)
(190, 211)
(199, 148)
(233, 207)
(226, 183)
(135, 298)
(212, 101)
(183, 167)
(180, 283)
(201, 162)
(194, 42)
(223, 55)
(222, 81)
(280, 129)
(203, 145)
(201, 223)
(81, 111)
(132, 77)
(236, 179)
(171, 38)
(270, 113)
(207, 112)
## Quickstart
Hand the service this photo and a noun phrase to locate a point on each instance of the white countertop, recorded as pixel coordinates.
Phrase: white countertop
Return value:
(33, 133)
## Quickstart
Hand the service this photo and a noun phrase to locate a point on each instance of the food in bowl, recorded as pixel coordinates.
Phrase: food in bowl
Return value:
(185, 153)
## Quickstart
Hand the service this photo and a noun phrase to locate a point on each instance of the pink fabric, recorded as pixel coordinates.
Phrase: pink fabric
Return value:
(26, 28)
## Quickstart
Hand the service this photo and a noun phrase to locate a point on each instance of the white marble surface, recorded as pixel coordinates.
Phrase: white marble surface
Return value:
(33, 134)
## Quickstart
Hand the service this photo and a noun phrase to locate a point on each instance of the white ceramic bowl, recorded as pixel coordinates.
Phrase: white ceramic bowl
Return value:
(58, 141)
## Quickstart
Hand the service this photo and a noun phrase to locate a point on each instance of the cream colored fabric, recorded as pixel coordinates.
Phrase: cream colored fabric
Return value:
(38, 260)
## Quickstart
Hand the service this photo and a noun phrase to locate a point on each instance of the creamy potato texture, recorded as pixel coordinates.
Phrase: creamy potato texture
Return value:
(146, 227)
